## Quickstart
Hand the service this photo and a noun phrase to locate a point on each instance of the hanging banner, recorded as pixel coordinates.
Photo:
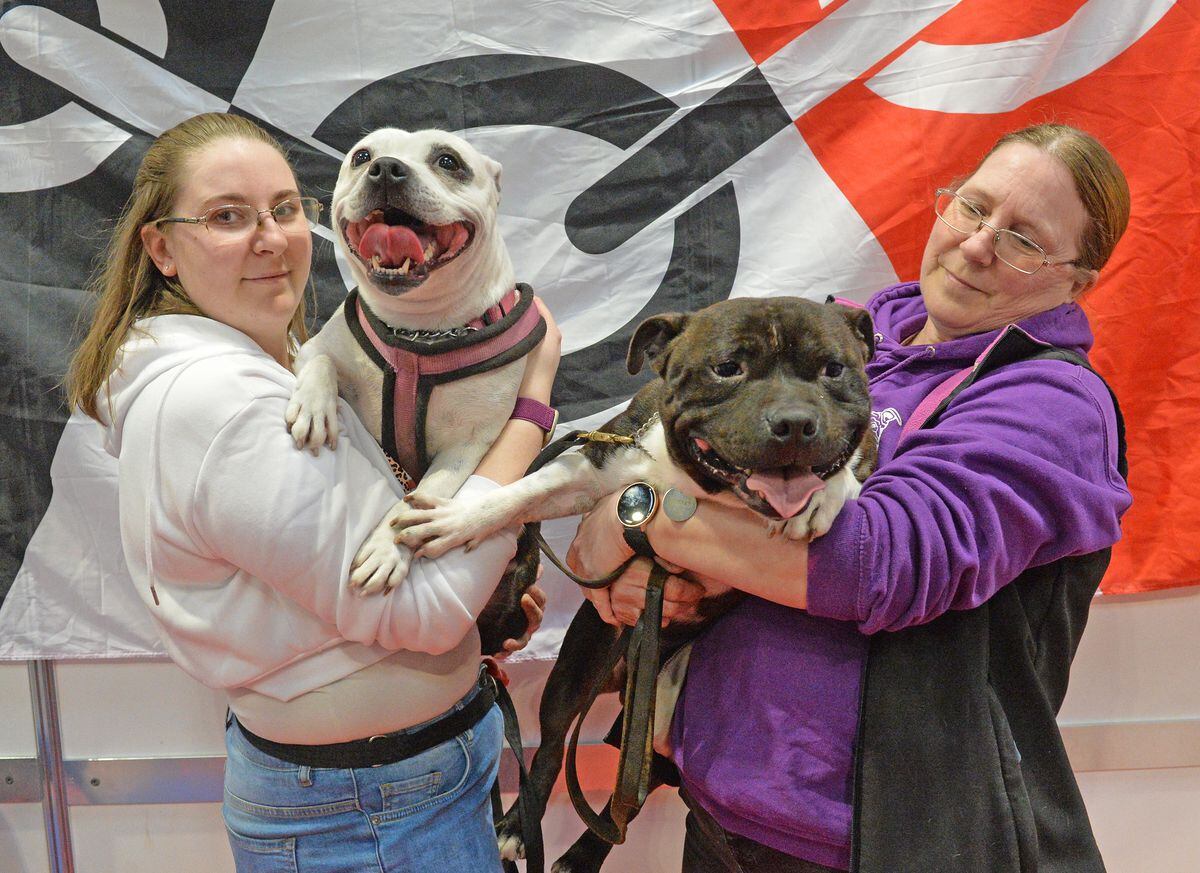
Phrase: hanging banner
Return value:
(657, 157)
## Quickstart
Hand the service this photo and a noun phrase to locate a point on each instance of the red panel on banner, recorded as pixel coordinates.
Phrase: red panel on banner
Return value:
(1145, 310)
(766, 26)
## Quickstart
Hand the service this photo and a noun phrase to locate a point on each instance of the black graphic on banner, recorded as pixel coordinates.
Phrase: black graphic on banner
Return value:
(50, 238)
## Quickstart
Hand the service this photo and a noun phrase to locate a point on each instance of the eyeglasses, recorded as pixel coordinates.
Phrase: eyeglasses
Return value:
(293, 215)
(1019, 252)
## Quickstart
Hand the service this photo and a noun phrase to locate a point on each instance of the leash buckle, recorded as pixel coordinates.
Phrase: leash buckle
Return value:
(599, 436)
(491, 667)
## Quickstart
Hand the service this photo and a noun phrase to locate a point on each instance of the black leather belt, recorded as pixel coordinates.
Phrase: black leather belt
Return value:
(383, 748)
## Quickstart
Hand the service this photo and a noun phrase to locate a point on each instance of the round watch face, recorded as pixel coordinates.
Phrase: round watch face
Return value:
(636, 505)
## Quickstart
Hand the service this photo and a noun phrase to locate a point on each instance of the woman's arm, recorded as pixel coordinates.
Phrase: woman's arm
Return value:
(996, 487)
(733, 547)
(516, 447)
(233, 494)
(520, 441)
(770, 567)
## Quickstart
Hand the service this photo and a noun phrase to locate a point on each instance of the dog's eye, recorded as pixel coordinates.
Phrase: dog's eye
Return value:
(449, 163)
(833, 369)
(727, 369)
(361, 157)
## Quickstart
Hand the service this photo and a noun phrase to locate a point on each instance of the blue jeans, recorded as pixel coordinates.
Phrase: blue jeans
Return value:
(430, 812)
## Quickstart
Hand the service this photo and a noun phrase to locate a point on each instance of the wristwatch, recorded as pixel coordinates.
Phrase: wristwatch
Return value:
(545, 417)
(635, 508)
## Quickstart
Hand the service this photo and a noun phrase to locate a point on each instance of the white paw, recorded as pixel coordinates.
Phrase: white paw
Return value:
(804, 525)
(381, 563)
(823, 508)
(312, 412)
(435, 525)
(512, 847)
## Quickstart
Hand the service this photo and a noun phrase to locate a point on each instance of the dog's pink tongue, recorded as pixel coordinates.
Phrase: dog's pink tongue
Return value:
(392, 244)
(786, 494)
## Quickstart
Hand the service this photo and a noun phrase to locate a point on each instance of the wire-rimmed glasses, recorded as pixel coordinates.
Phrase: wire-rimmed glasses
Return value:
(293, 215)
(1019, 252)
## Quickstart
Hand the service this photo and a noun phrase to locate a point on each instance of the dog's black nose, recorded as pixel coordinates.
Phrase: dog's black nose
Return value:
(792, 424)
(387, 170)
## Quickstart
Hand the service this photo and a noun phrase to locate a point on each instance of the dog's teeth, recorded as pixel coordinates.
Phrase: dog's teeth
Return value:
(375, 262)
(429, 252)
(404, 267)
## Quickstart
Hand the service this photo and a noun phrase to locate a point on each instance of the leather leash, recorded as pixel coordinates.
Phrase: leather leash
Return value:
(641, 647)
(531, 831)
(548, 454)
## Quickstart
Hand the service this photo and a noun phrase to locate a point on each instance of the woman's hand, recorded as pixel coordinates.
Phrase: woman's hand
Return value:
(622, 602)
(533, 602)
(599, 548)
(730, 547)
(712, 542)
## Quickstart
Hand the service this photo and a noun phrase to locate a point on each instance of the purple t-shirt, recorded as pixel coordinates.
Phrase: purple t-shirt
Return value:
(1020, 471)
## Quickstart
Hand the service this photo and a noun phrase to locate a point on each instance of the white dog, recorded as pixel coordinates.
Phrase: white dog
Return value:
(431, 348)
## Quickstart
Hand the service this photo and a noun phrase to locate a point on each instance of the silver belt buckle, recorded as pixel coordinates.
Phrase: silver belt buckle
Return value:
(372, 739)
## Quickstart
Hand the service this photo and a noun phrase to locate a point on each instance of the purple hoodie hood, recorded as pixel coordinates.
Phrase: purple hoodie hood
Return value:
(899, 312)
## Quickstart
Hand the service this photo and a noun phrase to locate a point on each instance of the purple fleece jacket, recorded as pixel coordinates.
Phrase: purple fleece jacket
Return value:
(1019, 471)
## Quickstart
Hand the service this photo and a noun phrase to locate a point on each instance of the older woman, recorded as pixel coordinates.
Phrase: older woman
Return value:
(893, 709)
(360, 728)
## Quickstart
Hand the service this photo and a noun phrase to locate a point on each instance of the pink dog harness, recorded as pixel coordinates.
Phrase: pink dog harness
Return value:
(413, 364)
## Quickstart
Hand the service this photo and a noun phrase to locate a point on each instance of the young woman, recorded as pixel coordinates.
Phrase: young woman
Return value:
(360, 732)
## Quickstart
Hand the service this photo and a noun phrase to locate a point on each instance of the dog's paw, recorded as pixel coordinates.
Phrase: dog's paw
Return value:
(801, 527)
(434, 526)
(508, 837)
(381, 563)
(312, 411)
(817, 518)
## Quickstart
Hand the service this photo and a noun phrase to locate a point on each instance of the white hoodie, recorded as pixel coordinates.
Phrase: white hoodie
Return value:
(248, 539)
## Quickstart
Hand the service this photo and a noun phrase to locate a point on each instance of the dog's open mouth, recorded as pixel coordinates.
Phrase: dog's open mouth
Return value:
(775, 491)
(399, 248)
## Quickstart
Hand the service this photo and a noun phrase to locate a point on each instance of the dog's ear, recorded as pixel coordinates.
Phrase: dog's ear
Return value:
(493, 168)
(651, 338)
(860, 321)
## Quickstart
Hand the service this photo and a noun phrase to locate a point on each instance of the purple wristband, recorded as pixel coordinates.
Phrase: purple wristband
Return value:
(537, 412)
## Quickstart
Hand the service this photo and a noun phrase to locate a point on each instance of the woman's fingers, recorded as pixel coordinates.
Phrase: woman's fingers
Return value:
(599, 546)
(628, 595)
(537, 594)
(533, 604)
(602, 601)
